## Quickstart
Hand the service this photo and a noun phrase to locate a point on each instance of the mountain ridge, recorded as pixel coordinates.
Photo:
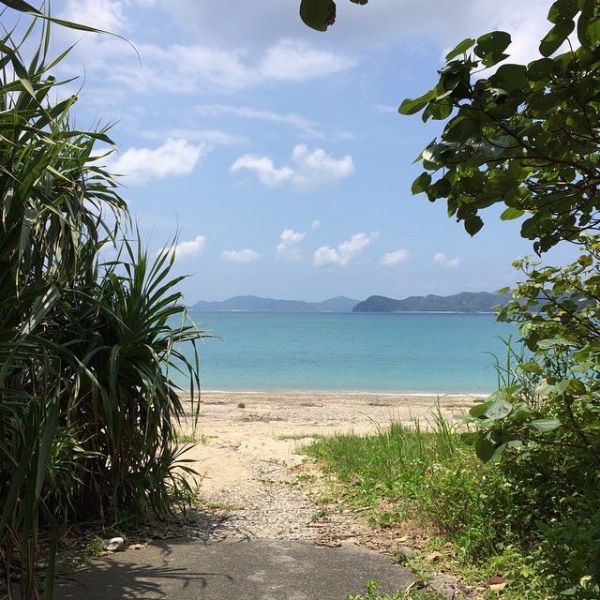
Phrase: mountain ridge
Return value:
(464, 302)
(258, 304)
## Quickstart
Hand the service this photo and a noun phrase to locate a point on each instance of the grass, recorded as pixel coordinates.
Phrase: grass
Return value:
(485, 520)
(187, 438)
(372, 593)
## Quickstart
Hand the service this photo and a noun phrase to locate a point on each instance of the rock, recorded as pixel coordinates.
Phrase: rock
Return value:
(116, 544)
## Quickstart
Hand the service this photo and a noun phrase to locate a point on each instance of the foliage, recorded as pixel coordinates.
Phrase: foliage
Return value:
(507, 518)
(87, 407)
(526, 136)
(553, 395)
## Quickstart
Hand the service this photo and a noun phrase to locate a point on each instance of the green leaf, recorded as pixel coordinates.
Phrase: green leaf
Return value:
(555, 38)
(473, 225)
(510, 77)
(462, 128)
(421, 183)
(499, 409)
(511, 213)
(540, 70)
(492, 43)
(545, 425)
(318, 14)
(480, 410)
(554, 342)
(485, 449)
(412, 106)
(588, 32)
(562, 9)
(460, 48)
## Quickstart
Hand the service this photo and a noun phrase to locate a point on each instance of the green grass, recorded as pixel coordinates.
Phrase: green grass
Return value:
(499, 519)
(372, 593)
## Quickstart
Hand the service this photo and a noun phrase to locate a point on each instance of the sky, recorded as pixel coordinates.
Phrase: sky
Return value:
(273, 155)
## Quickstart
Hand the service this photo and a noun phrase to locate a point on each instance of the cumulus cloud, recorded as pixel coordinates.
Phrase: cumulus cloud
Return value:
(190, 249)
(441, 259)
(311, 168)
(174, 157)
(315, 224)
(391, 259)
(265, 170)
(288, 248)
(240, 256)
(344, 253)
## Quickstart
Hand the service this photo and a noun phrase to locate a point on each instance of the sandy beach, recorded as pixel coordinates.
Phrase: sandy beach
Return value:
(237, 429)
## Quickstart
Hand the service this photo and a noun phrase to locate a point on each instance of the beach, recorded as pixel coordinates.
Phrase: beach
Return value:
(236, 428)
(245, 446)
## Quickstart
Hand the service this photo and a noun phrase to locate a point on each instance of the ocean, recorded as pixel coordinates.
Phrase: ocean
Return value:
(361, 352)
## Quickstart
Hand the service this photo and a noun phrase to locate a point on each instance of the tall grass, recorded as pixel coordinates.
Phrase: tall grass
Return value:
(394, 465)
(517, 518)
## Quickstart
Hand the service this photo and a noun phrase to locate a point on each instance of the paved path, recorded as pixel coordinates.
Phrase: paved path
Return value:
(234, 570)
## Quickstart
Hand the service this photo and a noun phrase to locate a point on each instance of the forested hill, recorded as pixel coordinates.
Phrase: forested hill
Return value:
(465, 302)
(257, 304)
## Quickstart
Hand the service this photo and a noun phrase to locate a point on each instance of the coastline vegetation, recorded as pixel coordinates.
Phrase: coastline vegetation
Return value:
(88, 409)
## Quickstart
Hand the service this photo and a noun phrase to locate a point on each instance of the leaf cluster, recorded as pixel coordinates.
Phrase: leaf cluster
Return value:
(524, 136)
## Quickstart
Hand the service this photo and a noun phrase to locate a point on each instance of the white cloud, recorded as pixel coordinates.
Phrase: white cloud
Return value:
(391, 259)
(441, 259)
(102, 14)
(210, 137)
(190, 249)
(309, 128)
(356, 27)
(265, 169)
(174, 157)
(344, 253)
(294, 60)
(240, 256)
(312, 169)
(288, 248)
(315, 224)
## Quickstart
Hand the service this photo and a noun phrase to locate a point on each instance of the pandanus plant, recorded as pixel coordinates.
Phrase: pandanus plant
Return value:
(88, 407)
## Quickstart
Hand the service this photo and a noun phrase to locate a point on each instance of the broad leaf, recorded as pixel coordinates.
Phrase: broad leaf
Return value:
(555, 38)
(545, 425)
(318, 14)
(460, 48)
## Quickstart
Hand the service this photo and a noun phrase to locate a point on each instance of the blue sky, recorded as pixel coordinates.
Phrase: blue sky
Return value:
(276, 154)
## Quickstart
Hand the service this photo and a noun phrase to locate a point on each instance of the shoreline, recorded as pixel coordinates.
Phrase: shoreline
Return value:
(352, 393)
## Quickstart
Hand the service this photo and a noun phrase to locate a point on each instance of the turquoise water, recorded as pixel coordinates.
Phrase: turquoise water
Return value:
(397, 352)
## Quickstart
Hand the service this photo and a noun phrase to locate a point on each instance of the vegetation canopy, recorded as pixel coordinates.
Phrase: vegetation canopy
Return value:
(525, 136)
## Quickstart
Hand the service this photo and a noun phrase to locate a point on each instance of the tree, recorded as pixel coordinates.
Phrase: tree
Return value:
(526, 136)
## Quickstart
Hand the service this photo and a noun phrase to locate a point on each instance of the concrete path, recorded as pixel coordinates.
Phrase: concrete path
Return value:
(180, 569)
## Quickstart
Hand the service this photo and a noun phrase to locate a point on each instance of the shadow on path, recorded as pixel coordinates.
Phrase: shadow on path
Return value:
(183, 569)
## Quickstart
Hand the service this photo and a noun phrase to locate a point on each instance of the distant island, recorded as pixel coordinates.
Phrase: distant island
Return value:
(340, 304)
(465, 302)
